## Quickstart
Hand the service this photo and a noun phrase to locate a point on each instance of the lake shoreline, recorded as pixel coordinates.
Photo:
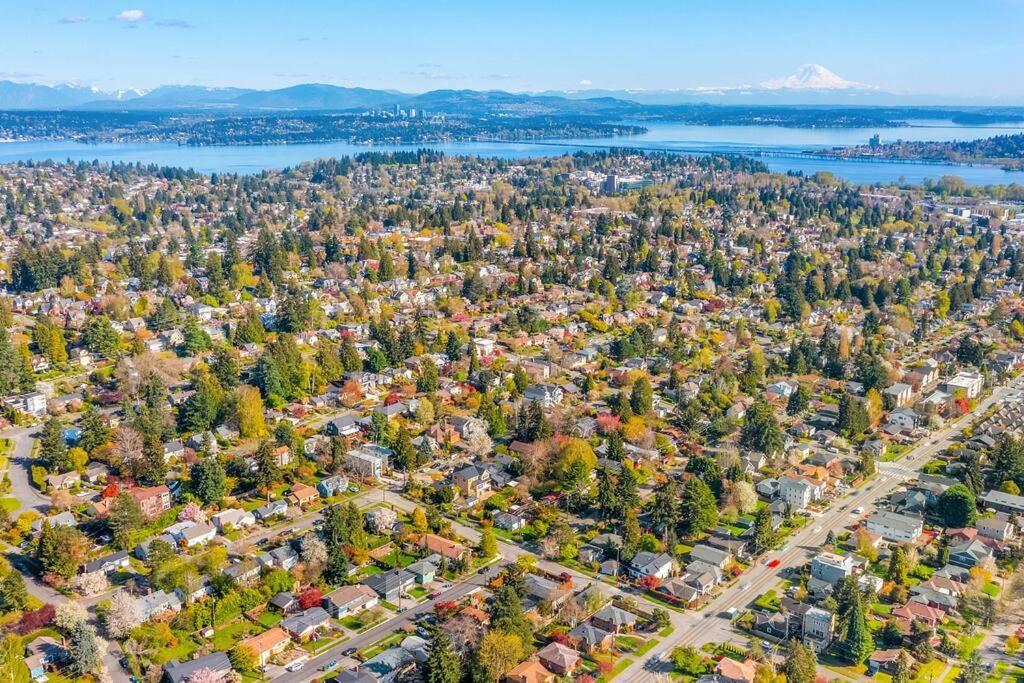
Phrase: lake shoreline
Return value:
(783, 150)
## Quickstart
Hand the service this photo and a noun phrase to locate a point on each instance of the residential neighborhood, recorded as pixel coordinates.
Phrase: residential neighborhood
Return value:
(396, 418)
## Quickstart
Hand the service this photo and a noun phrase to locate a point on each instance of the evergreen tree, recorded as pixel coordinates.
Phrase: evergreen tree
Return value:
(857, 644)
(95, 432)
(350, 358)
(13, 594)
(641, 397)
(267, 472)
(901, 672)
(801, 663)
(53, 449)
(973, 670)
(83, 649)
(627, 489)
(898, 569)
(853, 416)
(507, 613)
(207, 479)
(165, 316)
(100, 336)
(616, 448)
(698, 507)
(761, 431)
(196, 340)
(123, 520)
(406, 456)
(443, 665)
(225, 367)
(428, 380)
(607, 501)
(798, 400)
(764, 535)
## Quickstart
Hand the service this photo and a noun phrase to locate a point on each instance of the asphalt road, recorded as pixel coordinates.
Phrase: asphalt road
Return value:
(30, 498)
(19, 470)
(707, 626)
(313, 668)
(509, 553)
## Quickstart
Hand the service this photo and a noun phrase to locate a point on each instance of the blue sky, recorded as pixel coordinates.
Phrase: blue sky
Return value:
(943, 47)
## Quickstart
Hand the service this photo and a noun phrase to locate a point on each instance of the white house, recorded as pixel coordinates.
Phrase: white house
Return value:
(831, 567)
(646, 563)
(234, 518)
(893, 526)
(798, 492)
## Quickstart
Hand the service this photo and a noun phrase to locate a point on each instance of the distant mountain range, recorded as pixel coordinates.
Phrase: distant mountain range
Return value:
(812, 84)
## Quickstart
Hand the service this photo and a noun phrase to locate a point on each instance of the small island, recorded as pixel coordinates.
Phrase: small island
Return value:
(1004, 151)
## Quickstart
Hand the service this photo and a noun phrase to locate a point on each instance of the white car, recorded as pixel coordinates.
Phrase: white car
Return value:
(858, 510)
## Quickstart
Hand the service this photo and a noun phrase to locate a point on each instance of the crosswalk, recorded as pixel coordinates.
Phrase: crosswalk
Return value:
(897, 469)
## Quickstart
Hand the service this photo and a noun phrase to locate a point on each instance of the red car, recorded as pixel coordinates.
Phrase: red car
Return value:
(774, 563)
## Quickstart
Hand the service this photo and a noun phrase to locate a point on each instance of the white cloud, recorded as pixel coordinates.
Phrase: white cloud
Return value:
(74, 19)
(586, 82)
(131, 16)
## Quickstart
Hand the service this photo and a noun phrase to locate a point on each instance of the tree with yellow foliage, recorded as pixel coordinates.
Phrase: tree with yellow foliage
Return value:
(249, 412)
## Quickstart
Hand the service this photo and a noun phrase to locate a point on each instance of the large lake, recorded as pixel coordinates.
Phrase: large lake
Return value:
(759, 141)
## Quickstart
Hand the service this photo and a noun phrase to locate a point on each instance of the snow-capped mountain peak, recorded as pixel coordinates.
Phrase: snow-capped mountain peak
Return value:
(814, 77)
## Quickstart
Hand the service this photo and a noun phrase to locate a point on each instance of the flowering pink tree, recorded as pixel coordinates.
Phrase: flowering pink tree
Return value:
(192, 513)
(205, 675)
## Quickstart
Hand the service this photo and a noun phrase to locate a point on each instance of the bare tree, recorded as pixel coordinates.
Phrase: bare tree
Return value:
(128, 443)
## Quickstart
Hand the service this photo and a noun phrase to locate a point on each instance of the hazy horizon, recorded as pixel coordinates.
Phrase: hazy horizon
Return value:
(913, 48)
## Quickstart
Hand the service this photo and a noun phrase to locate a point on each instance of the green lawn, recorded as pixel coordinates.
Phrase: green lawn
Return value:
(768, 600)
(227, 636)
(991, 589)
(270, 618)
(352, 623)
(929, 671)
(646, 647)
(627, 643)
(182, 651)
(418, 592)
(10, 503)
(320, 644)
(381, 645)
(881, 609)
(970, 644)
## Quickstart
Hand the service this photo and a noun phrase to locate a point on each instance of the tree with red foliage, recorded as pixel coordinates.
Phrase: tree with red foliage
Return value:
(605, 666)
(35, 620)
(607, 423)
(650, 582)
(560, 637)
(445, 609)
(111, 491)
(311, 597)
